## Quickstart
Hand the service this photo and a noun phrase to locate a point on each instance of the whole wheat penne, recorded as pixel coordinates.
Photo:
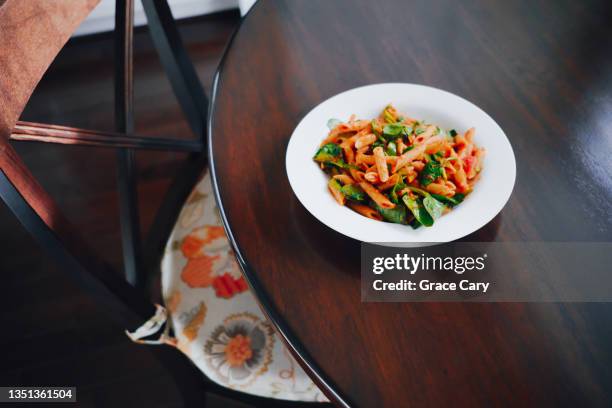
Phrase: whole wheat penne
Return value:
(434, 143)
(349, 154)
(372, 177)
(362, 158)
(354, 126)
(356, 175)
(389, 183)
(365, 140)
(369, 159)
(430, 130)
(381, 164)
(417, 165)
(401, 146)
(409, 156)
(365, 211)
(378, 197)
(445, 188)
(460, 177)
(344, 179)
(338, 196)
(469, 135)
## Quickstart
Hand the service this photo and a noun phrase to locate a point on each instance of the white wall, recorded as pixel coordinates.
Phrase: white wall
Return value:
(102, 18)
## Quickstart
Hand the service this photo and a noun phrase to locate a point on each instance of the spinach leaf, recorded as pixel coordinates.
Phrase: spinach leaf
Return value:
(433, 207)
(353, 192)
(393, 194)
(395, 215)
(391, 149)
(341, 164)
(451, 201)
(418, 210)
(389, 114)
(334, 185)
(419, 191)
(430, 173)
(407, 130)
(329, 152)
(393, 129)
(378, 143)
(333, 122)
(376, 128)
(459, 197)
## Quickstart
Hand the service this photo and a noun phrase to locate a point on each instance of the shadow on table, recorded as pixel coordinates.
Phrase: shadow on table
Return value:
(342, 252)
(488, 233)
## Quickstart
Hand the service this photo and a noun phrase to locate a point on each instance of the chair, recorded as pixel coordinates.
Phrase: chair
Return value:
(37, 41)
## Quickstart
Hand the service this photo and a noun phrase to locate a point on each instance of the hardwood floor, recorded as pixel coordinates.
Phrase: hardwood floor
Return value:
(51, 333)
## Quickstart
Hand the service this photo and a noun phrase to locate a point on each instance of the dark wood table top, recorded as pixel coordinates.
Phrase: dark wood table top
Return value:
(543, 70)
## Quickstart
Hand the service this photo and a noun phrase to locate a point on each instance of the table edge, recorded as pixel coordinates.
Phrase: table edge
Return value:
(294, 346)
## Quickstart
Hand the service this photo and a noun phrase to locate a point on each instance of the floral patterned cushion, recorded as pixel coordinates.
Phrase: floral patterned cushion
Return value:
(216, 320)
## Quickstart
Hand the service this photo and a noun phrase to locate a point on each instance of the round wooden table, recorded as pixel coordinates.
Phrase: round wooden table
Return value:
(542, 70)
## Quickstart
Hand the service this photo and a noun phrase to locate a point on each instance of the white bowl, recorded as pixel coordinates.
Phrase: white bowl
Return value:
(442, 108)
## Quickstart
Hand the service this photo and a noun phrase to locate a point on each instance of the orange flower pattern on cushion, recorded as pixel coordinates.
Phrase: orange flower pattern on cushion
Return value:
(238, 350)
(198, 273)
(227, 286)
(207, 251)
(194, 243)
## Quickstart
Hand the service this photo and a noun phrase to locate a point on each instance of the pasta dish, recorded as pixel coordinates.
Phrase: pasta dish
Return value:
(397, 169)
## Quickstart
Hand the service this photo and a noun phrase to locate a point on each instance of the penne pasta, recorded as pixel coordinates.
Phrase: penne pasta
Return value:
(427, 133)
(337, 194)
(356, 175)
(376, 195)
(370, 160)
(344, 179)
(372, 177)
(366, 211)
(409, 156)
(348, 152)
(389, 183)
(446, 188)
(365, 140)
(401, 146)
(381, 164)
